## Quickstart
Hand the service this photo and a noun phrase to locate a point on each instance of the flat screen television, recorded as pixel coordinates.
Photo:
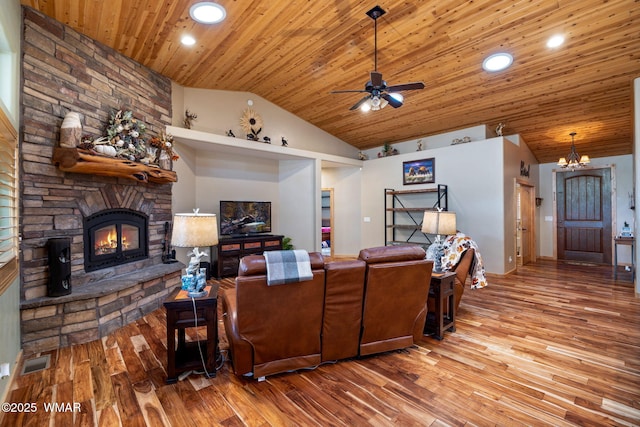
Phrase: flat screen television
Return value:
(242, 218)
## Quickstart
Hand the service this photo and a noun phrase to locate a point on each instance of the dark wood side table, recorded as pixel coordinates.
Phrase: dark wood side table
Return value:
(442, 291)
(180, 316)
(625, 241)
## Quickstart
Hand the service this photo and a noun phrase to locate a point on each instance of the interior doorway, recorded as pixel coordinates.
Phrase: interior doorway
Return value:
(327, 229)
(584, 215)
(525, 224)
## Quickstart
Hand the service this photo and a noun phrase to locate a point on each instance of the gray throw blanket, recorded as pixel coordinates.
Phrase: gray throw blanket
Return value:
(287, 266)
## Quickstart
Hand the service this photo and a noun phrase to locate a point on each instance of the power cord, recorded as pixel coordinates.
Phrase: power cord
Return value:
(195, 318)
(220, 357)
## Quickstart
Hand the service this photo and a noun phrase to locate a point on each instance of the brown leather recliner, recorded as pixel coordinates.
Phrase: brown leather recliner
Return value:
(273, 329)
(462, 270)
(343, 309)
(395, 300)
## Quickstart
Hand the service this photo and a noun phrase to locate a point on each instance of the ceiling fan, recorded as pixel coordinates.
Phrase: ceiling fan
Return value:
(378, 93)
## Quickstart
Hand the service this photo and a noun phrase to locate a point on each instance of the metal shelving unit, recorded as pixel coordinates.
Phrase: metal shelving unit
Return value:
(404, 210)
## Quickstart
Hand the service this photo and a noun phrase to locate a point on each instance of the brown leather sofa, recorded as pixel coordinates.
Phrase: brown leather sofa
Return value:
(273, 329)
(351, 308)
(396, 291)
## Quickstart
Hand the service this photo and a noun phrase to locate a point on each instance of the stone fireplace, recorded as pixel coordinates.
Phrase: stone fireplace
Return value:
(112, 284)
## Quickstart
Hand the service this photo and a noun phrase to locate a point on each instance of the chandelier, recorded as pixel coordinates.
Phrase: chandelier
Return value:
(574, 159)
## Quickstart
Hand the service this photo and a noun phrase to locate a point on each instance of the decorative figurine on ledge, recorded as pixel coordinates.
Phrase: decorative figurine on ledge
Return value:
(189, 118)
(267, 140)
(230, 133)
(500, 128)
(251, 124)
(284, 142)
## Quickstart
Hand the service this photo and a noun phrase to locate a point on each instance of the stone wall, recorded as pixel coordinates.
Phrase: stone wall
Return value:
(65, 71)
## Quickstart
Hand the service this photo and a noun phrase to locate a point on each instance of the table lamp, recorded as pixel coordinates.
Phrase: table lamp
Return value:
(438, 222)
(194, 230)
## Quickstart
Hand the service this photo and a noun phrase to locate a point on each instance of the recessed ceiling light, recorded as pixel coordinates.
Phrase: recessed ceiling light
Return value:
(497, 62)
(207, 12)
(188, 40)
(555, 41)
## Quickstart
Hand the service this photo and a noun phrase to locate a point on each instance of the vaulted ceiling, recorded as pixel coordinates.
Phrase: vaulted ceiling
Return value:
(294, 52)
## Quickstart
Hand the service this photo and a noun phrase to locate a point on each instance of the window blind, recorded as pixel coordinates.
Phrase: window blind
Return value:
(8, 203)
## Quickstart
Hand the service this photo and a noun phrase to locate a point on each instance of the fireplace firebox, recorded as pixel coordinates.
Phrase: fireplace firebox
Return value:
(113, 237)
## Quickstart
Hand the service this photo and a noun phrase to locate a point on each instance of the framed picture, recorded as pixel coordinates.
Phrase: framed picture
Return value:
(419, 171)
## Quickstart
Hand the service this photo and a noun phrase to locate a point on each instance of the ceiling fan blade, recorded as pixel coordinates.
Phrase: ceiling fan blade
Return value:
(376, 79)
(359, 103)
(406, 86)
(391, 100)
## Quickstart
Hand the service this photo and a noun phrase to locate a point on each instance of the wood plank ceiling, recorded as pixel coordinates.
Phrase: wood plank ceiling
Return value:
(294, 52)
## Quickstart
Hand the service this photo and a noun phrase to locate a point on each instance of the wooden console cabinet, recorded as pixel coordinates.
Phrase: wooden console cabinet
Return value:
(231, 249)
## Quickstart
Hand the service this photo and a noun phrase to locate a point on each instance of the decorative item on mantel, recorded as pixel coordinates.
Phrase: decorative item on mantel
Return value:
(165, 156)
(122, 152)
(419, 145)
(189, 118)
(284, 142)
(71, 130)
(500, 128)
(230, 133)
(251, 124)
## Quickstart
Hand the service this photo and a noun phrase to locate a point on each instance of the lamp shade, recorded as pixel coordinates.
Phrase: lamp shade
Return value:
(439, 222)
(194, 230)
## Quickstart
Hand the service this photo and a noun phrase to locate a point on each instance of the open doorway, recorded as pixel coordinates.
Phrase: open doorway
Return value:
(327, 221)
(525, 224)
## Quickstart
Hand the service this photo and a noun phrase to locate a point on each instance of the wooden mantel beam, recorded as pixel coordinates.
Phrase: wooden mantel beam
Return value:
(83, 161)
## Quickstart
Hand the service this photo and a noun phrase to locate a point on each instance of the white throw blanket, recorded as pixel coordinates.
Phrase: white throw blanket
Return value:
(287, 266)
(454, 247)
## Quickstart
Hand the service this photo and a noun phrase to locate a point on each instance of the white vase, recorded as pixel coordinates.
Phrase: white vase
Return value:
(71, 131)
(165, 161)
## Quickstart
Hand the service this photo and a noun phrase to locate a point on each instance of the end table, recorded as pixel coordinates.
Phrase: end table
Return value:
(180, 315)
(442, 291)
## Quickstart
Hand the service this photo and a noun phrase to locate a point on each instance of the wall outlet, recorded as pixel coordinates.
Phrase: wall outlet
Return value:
(367, 219)
(4, 371)
(510, 259)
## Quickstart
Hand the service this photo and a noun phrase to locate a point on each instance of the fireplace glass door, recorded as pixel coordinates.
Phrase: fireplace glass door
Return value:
(113, 237)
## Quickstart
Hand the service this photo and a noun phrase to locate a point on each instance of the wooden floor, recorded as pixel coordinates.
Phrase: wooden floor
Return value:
(552, 344)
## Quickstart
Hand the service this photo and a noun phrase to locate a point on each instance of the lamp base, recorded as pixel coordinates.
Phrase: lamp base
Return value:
(197, 294)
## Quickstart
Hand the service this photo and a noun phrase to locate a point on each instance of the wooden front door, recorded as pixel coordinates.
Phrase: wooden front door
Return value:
(584, 215)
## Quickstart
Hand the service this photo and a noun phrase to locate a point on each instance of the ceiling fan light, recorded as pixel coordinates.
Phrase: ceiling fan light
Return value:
(207, 12)
(365, 107)
(375, 103)
(497, 62)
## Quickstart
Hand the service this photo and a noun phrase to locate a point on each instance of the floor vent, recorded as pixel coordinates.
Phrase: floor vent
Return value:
(36, 364)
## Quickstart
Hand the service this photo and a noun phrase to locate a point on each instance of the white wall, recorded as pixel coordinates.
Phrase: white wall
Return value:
(219, 111)
(299, 202)
(290, 185)
(474, 175)
(10, 21)
(622, 176)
